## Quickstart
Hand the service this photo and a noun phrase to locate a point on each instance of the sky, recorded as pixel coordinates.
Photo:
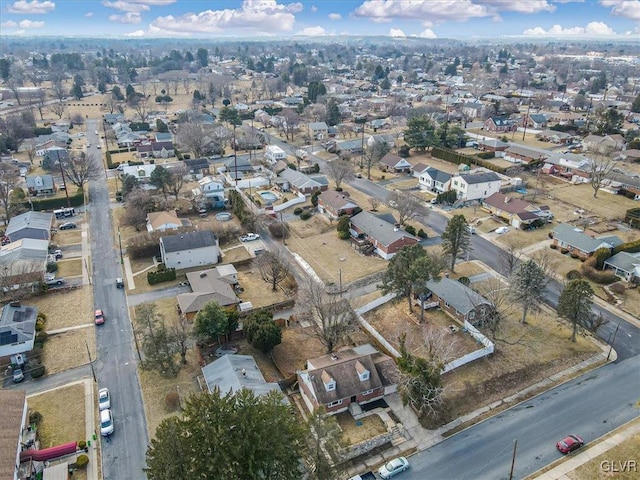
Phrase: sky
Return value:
(461, 19)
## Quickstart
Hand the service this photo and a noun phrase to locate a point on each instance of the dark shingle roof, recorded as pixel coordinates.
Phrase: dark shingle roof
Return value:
(457, 295)
(379, 229)
(437, 175)
(188, 241)
(474, 178)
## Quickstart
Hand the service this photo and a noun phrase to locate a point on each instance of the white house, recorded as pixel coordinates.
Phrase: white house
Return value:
(274, 153)
(141, 172)
(162, 221)
(475, 186)
(211, 189)
(434, 180)
(188, 250)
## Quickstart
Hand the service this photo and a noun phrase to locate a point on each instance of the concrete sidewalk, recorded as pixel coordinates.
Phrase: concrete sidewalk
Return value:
(570, 463)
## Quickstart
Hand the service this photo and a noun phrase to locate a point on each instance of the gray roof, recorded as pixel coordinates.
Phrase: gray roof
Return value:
(240, 164)
(625, 261)
(437, 175)
(32, 220)
(318, 126)
(379, 229)
(624, 180)
(232, 373)
(474, 178)
(47, 181)
(188, 241)
(526, 152)
(459, 296)
(17, 324)
(577, 238)
(299, 179)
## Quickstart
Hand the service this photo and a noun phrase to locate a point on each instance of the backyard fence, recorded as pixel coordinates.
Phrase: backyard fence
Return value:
(470, 357)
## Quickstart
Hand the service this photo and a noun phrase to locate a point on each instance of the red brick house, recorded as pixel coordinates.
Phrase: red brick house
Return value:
(356, 375)
(460, 302)
(334, 204)
(500, 124)
(387, 239)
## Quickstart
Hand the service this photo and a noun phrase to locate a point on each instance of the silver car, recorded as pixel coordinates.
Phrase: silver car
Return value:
(394, 467)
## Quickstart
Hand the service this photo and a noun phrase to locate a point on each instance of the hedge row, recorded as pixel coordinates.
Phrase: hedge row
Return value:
(458, 158)
(162, 275)
(40, 204)
(630, 247)
(604, 277)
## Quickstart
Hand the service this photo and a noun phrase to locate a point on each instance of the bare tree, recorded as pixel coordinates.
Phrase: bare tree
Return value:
(182, 336)
(273, 266)
(374, 203)
(30, 150)
(138, 204)
(9, 178)
(110, 104)
(16, 79)
(58, 109)
(176, 179)
(290, 124)
(41, 102)
(57, 84)
(498, 293)
(82, 168)
(510, 257)
(600, 167)
(374, 150)
(193, 136)
(405, 204)
(331, 317)
(140, 105)
(339, 171)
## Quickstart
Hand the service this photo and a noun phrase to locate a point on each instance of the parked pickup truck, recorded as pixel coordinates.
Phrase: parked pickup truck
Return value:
(365, 476)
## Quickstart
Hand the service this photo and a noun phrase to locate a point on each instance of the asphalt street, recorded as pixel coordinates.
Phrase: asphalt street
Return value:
(123, 456)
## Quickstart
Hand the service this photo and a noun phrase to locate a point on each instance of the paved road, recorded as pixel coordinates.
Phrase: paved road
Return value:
(116, 367)
(582, 406)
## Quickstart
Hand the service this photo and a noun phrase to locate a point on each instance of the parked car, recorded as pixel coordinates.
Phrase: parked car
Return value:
(364, 476)
(104, 399)
(501, 230)
(119, 283)
(67, 226)
(99, 317)
(106, 423)
(57, 254)
(570, 443)
(54, 282)
(18, 375)
(394, 467)
(249, 237)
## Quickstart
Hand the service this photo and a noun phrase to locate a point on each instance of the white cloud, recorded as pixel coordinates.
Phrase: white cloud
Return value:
(88, 14)
(8, 24)
(623, 8)
(427, 33)
(314, 9)
(31, 8)
(129, 17)
(335, 16)
(521, 6)
(384, 11)
(396, 32)
(137, 33)
(316, 31)
(593, 29)
(126, 6)
(257, 16)
(295, 7)
(26, 24)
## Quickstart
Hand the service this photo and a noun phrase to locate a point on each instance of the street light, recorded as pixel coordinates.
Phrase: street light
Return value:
(120, 243)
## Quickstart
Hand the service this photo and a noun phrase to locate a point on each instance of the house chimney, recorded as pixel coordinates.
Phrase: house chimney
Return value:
(244, 372)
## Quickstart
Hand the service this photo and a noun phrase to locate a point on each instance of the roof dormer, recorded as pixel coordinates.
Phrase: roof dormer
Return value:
(363, 373)
(329, 381)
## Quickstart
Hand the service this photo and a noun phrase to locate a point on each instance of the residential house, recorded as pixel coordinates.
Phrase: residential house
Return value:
(17, 329)
(163, 221)
(318, 130)
(50, 145)
(187, 250)
(500, 124)
(61, 126)
(40, 185)
(232, 373)
(578, 243)
(554, 136)
(23, 263)
(385, 237)
(475, 186)
(113, 118)
(393, 163)
(141, 172)
(595, 143)
(211, 191)
(215, 284)
(347, 379)
(236, 166)
(335, 204)
(13, 405)
(621, 182)
(35, 225)
(299, 182)
(472, 110)
(418, 169)
(535, 120)
(434, 180)
(54, 156)
(163, 137)
(460, 301)
(197, 167)
(274, 153)
(156, 150)
(625, 265)
(630, 155)
(517, 212)
(492, 145)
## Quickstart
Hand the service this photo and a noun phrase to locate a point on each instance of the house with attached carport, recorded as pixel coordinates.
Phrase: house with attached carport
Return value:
(335, 204)
(17, 329)
(214, 284)
(347, 379)
(434, 180)
(384, 237)
(578, 243)
(460, 301)
(35, 225)
(187, 250)
(623, 183)
(394, 163)
(475, 186)
(625, 265)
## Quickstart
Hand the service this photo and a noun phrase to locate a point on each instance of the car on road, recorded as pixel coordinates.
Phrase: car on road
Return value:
(570, 443)
(18, 375)
(104, 399)
(99, 317)
(393, 468)
(501, 230)
(54, 282)
(119, 282)
(249, 237)
(106, 423)
(67, 226)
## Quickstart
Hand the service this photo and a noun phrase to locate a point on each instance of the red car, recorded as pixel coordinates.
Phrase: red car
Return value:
(570, 443)
(99, 317)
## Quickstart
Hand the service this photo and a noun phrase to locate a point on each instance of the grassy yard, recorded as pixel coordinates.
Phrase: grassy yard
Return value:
(69, 268)
(296, 348)
(68, 237)
(64, 351)
(356, 431)
(65, 308)
(63, 415)
(259, 292)
(607, 206)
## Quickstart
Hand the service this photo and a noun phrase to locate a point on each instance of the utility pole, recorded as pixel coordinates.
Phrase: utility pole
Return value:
(120, 243)
(613, 340)
(526, 119)
(235, 155)
(513, 459)
(91, 363)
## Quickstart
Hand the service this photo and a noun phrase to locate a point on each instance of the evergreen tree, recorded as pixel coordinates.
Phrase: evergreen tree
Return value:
(456, 239)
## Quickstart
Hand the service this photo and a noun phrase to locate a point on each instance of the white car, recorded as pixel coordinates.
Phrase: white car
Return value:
(502, 230)
(106, 423)
(104, 399)
(249, 237)
(394, 467)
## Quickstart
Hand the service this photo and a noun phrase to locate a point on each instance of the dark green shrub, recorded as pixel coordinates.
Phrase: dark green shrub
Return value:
(160, 276)
(37, 371)
(410, 229)
(41, 338)
(40, 204)
(39, 325)
(422, 234)
(52, 267)
(573, 275)
(314, 198)
(82, 461)
(42, 316)
(464, 281)
(574, 255)
(297, 211)
(343, 227)
(630, 247)
(37, 131)
(316, 168)
(564, 250)
(35, 417)
(306, 215)
(486, 155)
(81, 445)
(601, 255)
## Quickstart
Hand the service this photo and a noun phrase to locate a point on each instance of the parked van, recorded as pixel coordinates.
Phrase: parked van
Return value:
(64, 212)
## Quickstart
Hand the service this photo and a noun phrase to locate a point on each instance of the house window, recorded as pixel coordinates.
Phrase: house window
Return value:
(368, 392)
(334, 404)
(472, 315)
(364, 376)
(446, 304)
(330, 386)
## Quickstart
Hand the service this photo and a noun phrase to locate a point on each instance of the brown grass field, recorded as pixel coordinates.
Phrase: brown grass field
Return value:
(65, 308)
(67, 350)
(296, 348)
(367, 427)
(69, 268)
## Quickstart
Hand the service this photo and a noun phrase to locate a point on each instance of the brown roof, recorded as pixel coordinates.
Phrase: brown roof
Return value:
(390, 159)
(157, 219)
(207, 286)
(336, 200)
(12, 405)
(507, 204)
